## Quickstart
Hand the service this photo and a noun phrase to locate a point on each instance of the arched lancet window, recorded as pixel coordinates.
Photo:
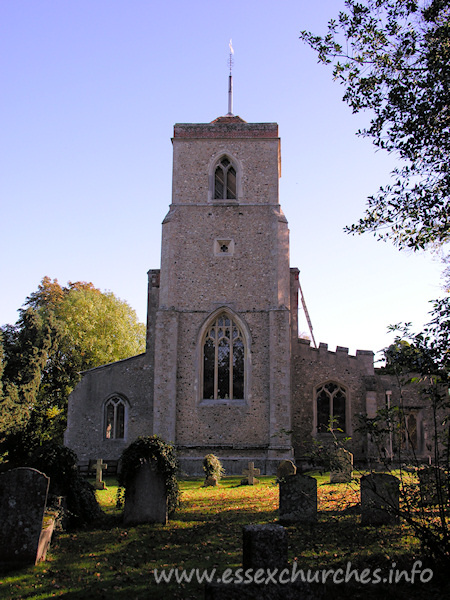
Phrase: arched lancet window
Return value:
(331, 399)
(115, 411)
(223, 360)
(225, 180)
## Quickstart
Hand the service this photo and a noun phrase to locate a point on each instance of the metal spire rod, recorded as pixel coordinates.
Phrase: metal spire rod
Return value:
(230, 81)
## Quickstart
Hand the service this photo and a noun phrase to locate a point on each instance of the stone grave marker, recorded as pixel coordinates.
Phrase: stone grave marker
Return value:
(23, 497)
(99, 467)
(343, 467)
(380, 495)
(146, 496)
(265, 550)
(298, 500)
(250, 473)
(430, 480)
(286, 468)
(210, 481)
(264, 546)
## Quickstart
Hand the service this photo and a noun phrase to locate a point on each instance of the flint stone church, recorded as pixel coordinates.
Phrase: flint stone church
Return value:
(224, 370)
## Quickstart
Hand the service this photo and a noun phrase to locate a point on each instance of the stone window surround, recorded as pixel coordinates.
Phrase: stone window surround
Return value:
(119, 400)
(247, 357)
(348, 428)
(220, 243)
(211, 177)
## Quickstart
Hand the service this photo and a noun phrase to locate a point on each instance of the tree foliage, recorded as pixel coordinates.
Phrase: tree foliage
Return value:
(60, 332)
(393, 57)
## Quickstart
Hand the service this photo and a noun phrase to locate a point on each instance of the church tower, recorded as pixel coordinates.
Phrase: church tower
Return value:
(219, 320)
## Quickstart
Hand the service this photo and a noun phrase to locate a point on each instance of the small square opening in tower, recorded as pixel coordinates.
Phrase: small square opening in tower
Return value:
(223, 247)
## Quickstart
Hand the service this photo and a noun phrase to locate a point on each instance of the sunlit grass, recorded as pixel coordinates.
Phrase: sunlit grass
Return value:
(113, 561)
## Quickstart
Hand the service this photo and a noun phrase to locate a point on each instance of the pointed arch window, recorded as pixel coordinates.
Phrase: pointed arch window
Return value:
(331, 400)
(225, 180)
(223, 360)
(115, 412)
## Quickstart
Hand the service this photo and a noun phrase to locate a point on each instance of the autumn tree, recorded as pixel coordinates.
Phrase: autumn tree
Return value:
(393, 58)
(61, 331)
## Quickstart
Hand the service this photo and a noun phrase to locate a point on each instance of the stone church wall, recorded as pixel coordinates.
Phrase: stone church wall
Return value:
(131, 380)
(313, 367)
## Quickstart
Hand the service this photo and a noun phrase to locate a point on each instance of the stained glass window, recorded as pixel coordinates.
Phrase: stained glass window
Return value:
(223, 360)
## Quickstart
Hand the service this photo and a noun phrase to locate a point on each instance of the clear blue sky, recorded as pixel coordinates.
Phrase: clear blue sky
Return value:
(90, 93)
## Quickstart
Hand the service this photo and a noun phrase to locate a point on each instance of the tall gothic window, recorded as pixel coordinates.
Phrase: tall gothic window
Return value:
(331, 407)
(225, 180)
(223, 360)
(115, 419)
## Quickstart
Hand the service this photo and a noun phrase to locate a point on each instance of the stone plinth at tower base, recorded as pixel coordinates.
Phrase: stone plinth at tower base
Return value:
(146, 497)
(233, 458)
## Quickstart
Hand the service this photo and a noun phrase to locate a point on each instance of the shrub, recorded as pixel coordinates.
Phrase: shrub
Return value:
(60, 464)
(146, 449)
(213, 467)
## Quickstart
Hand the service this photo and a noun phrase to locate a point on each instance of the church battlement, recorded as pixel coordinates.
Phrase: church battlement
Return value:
(364, 357)
(225, 129)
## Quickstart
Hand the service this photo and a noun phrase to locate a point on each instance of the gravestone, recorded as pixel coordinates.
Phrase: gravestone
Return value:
(298, 500)
(265, 570)
(379, 499)
(99, 467)
(146, 496)
(264, 546)
(210, 481)
(23, 497)
(342, 471)
(430, 480)
(286, 468)
(250, 473)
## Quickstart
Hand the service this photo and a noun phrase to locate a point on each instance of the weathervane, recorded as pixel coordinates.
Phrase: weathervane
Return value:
(230, 81)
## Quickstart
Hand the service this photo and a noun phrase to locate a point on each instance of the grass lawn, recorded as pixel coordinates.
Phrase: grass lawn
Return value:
(113, 561)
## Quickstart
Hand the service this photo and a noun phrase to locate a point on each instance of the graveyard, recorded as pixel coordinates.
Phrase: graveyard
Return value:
(109, 559)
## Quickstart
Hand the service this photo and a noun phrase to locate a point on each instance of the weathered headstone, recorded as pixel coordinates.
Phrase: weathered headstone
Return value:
(23, 497)
(286, 468)
(431, 480)
(379, 499)
(250, 473)
(99, 467)
(146, 496)
(264, 546)
(342, 471)
(298, 500)
(265, 570)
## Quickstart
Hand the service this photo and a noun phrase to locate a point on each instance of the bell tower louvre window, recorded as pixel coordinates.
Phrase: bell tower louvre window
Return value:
(225, 180)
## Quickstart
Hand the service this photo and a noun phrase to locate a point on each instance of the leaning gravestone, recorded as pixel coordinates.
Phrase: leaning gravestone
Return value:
(431, 480)
(23, 497)
(146, 496)
(379, 499)
(298, 500)
(343, 467)
(286, 468)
